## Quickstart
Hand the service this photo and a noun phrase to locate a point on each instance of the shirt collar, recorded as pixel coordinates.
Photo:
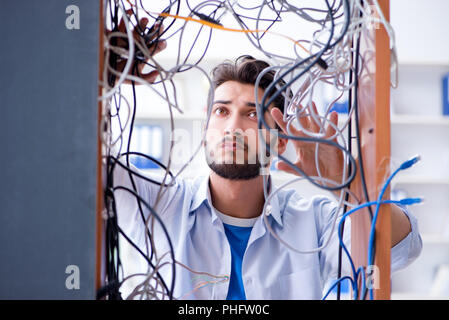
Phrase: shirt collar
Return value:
(201, 195)
(273, 208)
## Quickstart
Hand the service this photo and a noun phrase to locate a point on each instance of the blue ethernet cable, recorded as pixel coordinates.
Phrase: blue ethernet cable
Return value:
(406, 201)
(405, 165)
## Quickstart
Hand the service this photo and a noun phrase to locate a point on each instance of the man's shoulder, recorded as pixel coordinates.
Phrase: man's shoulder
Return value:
(291, 197)
(294, 204)
(194, 183)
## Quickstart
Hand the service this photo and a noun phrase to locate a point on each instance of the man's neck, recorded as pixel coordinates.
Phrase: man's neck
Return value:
(237, 198)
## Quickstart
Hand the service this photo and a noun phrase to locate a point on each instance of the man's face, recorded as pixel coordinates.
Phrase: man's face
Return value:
(232, 141)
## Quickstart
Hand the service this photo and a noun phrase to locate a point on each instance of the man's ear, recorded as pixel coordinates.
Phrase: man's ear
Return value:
(282, 145)
(203, 132)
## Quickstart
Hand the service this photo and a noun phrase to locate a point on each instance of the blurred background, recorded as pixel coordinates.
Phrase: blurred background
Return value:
(419, 125)
(50, 194)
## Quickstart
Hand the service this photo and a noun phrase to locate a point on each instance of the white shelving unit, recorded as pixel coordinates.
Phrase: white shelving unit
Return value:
(419, 120)
(418, 127)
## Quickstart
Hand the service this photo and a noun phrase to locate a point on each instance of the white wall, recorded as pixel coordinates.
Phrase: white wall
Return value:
(421, 29)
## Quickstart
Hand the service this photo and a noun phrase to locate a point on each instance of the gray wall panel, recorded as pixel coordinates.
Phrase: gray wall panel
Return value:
(48, 130)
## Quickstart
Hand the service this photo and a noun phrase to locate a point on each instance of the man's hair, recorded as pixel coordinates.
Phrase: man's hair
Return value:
(245, 70)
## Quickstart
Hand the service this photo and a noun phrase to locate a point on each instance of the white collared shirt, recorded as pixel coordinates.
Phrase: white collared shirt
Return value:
(269, 269)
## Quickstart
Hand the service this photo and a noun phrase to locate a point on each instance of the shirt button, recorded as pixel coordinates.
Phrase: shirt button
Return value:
(268, 209)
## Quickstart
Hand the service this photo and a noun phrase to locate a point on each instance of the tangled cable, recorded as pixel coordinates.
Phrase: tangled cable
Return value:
(330, 55)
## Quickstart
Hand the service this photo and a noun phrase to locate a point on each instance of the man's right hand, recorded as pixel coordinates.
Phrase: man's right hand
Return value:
(154, 47)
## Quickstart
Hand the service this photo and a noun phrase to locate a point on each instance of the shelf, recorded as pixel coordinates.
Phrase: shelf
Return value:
(415, 296)
(430, 238)
(424, 64)
(420, 180)
(419, 120)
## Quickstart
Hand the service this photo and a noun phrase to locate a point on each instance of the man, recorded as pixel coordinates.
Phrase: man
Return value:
(221, 243)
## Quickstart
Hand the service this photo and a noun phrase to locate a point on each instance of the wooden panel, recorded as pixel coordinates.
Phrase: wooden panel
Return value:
(374, 114)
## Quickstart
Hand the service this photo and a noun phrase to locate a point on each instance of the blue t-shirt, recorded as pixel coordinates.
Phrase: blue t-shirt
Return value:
(238, 239)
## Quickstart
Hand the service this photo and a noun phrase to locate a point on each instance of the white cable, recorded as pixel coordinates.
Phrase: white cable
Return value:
(338, 59)
(129, 62)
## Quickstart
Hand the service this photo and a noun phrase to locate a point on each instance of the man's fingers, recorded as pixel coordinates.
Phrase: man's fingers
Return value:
(150, 76)
(121, 25)
(143, 23)
(283, 166)
(315, 122)
(160, 45)
(139, 30)
(304, 122)
(277, 115)
(156, 30)
(333, 118)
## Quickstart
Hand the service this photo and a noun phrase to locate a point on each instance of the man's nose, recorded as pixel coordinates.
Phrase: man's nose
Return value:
(233, 125)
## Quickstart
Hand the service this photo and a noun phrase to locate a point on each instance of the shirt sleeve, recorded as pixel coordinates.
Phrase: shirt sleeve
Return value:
(409, 248)
(130, 214)
(402, 254)
(328, 220)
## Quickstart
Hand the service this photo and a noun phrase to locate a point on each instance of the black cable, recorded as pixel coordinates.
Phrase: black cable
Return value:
(239, 17)
(359, 147)
(137, 174)
(110, 191)
(357, 128)
(351, 164)
(164, 229)
(210, 17)
(327, 46)
(119, 230)
(265, 104)
(113, 57)
(142, 59)
(345, 208)
(358, 143)
(127, 154)
(191, 49)
(113, 263)
(278, 18)
(113, 281)
(313, 60)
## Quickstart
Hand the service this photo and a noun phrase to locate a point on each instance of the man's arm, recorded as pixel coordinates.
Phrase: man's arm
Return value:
(400, 225)
(331, 164)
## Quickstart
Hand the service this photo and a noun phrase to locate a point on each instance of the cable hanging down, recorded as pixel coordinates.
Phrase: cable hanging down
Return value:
(329, 56)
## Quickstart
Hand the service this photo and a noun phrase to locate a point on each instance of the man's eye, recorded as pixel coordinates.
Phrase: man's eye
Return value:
(219, 111)
(253, 114)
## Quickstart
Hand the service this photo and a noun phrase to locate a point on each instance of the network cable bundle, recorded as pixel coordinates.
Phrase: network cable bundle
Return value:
(331, 55)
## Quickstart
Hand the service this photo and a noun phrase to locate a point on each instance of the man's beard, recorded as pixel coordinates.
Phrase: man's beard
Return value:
(234, 171)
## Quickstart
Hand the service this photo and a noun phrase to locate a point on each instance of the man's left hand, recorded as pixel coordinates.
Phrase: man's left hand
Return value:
(330, 158)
